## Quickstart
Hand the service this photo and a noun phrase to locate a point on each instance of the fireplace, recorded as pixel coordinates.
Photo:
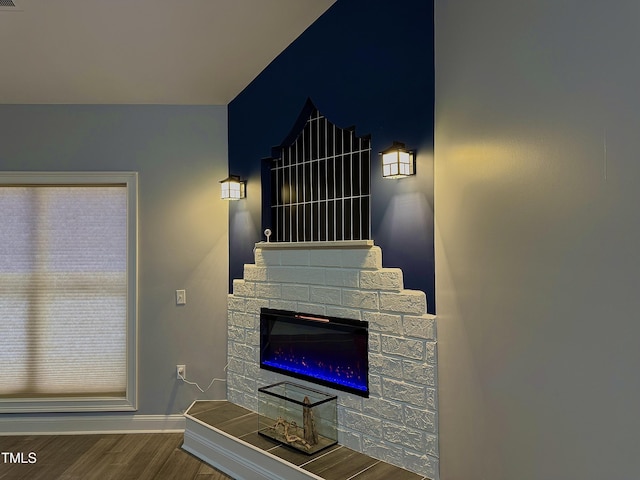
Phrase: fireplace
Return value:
(397, 423)
(330, 351)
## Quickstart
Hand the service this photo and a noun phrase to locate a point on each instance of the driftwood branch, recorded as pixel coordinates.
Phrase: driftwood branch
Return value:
(309, 423)
(288, 435)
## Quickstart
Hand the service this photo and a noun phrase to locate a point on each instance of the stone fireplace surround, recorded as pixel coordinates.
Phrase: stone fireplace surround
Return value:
(398, 422)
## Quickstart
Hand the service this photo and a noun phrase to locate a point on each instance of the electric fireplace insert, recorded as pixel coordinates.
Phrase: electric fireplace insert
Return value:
(329, 351)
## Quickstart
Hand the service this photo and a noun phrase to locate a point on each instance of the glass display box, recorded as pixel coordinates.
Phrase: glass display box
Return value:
(298, 416)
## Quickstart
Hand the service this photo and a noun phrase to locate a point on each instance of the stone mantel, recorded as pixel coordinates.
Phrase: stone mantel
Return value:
(315, 245)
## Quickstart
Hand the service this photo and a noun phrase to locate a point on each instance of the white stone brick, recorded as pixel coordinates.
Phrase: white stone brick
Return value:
(403, 347)
(383, 409)
(294, 257)
(236, 365)
(419, 373)
(252, 370)
(383, 451)
(352, 440)
(243, 289)
(366, 258)
(244, 320)
(250, 401)
(252, 337)
(350, 401)
(404, 392)
(421, 418)
(422, 327)
(406, 301)
(431, 399)
(383, 322)
(311, 308)
(342, 277)
(325, 295)
(244, 383)
(385, 279)
(423, 464)
(236, 334)
(236, 304)
(374, 343)
(385, 366)
(432, 352)
(283, 304)
(403, 435)
(244, 352)
(362, 423)
(360, 299)
(340, 312)
(266, 377)
(296, 292)
(253, 273)
(431, 445)
(253, 305)
(282, 274)
(265, 257)
(268, 290)
(325, 257)
(298, 275)
(375, 386)
(234, 395)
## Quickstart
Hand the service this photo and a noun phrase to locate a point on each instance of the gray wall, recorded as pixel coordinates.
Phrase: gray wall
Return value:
(537, 234)
(180, 153)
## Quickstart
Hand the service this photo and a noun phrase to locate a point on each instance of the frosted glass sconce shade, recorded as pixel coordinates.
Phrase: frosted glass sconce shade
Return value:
(397, 161)
(232, 188)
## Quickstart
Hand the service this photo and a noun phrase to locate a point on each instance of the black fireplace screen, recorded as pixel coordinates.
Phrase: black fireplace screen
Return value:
(329, 351)
(320, 182)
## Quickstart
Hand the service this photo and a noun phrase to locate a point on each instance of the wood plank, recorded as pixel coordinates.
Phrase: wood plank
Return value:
(260, 441)
(298, 458)
(224, 413)
(385, 471)
(340, 464)
(180, 464)
(53, 455)
(94, 463)
(152, 456)
(104, 457)
(240, 426)
(205, 405)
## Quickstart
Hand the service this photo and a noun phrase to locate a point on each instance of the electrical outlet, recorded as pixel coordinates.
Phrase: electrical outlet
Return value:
(181, 297)
(181, 371)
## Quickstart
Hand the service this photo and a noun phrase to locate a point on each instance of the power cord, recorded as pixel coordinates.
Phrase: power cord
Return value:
(198, 386)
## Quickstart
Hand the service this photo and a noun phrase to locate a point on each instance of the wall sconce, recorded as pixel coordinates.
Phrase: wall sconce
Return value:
(397, 161)
(232, 188)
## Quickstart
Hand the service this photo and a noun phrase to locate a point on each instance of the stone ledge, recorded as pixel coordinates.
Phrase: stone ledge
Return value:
(315, 245)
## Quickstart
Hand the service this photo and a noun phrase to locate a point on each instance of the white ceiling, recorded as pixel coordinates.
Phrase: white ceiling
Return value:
(186, 52)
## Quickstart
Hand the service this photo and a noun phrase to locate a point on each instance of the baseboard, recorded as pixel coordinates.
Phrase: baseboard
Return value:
(82, 424)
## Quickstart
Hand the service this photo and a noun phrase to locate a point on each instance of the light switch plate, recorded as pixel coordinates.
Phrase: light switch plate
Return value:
(181, 297)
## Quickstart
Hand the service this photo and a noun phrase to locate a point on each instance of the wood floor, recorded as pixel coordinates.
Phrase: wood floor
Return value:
(154, 456)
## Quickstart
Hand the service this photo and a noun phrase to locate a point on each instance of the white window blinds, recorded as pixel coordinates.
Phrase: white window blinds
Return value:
(63, 291)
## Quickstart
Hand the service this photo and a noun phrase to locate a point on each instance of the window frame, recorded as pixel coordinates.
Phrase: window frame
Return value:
(92, 403)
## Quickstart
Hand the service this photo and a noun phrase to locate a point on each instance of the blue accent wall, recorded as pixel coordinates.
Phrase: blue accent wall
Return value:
(368, 63)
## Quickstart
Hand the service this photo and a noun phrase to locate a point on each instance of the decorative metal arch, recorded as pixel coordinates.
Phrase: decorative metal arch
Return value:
(320, 182)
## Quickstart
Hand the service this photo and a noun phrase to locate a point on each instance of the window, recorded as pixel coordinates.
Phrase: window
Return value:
(68, 291)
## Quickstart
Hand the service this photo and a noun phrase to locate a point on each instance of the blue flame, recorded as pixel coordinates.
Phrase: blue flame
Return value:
(320, 374)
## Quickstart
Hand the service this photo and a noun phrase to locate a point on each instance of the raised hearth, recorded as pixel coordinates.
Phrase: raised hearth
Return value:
(226, 436)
